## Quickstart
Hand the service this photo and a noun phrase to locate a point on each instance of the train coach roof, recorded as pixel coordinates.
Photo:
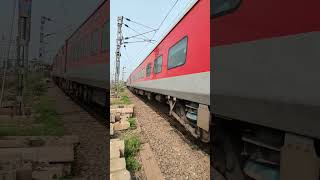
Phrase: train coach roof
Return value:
(170, 29)
(103, 2)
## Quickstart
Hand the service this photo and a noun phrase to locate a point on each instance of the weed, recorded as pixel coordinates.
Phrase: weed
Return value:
(49, 122)
(133, 123)
(132, 164)
(132, 146)
(125, 99)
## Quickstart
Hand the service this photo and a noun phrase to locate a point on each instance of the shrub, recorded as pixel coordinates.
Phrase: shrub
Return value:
(133, 123)
(132, 164)
(132, 146)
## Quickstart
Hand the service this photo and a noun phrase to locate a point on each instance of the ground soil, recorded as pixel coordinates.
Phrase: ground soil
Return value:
(92, 153)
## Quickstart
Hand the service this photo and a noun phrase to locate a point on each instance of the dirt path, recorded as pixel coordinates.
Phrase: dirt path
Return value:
(92, 153)
(176, 158)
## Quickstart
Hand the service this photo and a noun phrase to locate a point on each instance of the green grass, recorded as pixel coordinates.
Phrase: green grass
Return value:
(132, 146)
(123, 100)
(49, 117)
(36, 86)
(132, 164)
(49, 122)
(133, 123)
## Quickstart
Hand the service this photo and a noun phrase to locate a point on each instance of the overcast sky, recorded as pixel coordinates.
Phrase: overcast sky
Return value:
(66, 13)
(147, 12)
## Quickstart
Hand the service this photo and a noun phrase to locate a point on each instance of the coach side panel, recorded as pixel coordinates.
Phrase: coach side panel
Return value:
(265, 58)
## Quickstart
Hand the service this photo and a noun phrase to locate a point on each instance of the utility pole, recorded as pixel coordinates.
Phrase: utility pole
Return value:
(42, 49)
(123, 73)
(23, 38)
(118, 54)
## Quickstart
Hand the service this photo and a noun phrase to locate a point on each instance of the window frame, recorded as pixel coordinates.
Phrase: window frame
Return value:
(148, 67)
(154, 62)
(225, 12)
(175, 45)
(95, 42)
(106, 30)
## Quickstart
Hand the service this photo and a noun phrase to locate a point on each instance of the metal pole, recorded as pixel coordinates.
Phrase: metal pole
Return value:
(23, 39)
(118, 54)
(42, 47)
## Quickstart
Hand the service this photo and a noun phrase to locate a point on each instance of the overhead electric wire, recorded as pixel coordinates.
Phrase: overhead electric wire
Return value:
(125, 48)
(8, 52)
(135, 30)
(158, 27)
(140, 34)
(177, 17)
(137, 41)
(142, 39)
(139, 24)
(166, 17)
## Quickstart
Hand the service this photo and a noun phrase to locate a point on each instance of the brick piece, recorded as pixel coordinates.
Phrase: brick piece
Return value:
(8, 175)
(120, 175)
(24, 174)
(47, 173)
(114, 152)
(112, 118)
(125, 116)
(121, 125)
(111, 129)
(118, 144)
(117, 165)
(44, 154)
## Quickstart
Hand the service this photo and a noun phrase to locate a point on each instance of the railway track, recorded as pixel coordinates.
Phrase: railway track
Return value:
(163, 110)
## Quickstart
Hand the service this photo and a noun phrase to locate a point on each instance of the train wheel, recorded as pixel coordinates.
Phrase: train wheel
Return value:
(226, 153)
(180, 111)
(85, 94)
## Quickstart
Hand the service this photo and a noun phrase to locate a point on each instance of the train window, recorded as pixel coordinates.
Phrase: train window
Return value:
(105, 36)
(178, 53)
(157, 67)
(77, 49)
(94, 41)
(92, 44)
(148, 70)
(82, 47)
(87, 46)
(222, 7)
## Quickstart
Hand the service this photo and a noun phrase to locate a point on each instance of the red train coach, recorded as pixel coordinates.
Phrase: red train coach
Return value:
(265, 86)
(178, 70)
(81, 66)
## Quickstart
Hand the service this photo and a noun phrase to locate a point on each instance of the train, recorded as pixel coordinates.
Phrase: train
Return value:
(177, 70)
(81, 66)
(265, 89)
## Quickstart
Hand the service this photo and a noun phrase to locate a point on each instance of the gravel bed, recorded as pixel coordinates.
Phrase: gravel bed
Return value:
(176, 156)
